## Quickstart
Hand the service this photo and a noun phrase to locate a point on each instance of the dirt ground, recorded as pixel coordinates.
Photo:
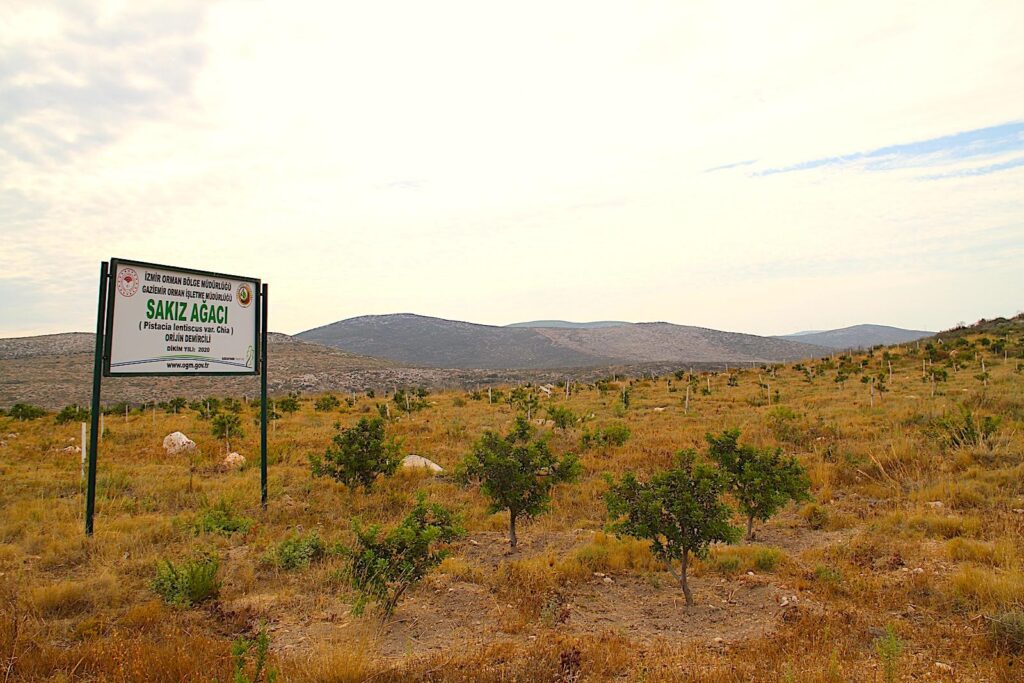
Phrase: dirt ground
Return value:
(447, 612)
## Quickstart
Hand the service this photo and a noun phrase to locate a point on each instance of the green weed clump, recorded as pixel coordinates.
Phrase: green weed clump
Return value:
(190, 583)
(298, 551)
(220, 519)
(615, 434)
(1007, 630)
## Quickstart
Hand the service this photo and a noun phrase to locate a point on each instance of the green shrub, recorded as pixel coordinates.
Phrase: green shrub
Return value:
(359, 455)
(25, 411)
(563, 417)
(73, 413)
(189, 583)
(298, 551)
(614, 434)
(965, 431)
(220, 519)
(327, 403)
(382, 568)
(289, 404)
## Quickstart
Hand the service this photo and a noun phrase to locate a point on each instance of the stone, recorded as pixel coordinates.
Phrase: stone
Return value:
(418, 461)
(234, 460)
(934, 504)
(177, 443)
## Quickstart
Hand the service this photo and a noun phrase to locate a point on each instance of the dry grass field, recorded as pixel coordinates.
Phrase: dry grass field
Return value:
(906, 566)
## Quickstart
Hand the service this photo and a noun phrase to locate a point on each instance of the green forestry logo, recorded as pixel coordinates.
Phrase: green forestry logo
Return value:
(127, 281)
(244, 295)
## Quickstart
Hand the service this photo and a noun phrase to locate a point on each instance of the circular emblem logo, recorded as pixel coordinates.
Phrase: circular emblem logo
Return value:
(244, 295)
(127, 282)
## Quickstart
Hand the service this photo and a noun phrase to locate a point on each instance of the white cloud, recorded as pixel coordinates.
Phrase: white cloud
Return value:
(502, 162)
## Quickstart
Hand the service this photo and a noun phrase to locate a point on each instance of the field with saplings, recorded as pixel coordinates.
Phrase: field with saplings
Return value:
(852, 518)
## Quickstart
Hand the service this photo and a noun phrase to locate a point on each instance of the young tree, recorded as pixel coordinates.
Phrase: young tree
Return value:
(359, 455)
(680, 511)
(563, 417)
(762, 480)
(517, 472)
(226, 426)
(383, 568)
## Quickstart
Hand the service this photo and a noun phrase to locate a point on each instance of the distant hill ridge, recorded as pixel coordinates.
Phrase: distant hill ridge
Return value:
(858, 336)
(568, 324)
(435, 342)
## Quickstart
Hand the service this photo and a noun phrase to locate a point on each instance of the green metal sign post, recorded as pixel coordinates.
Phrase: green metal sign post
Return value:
(155, 320)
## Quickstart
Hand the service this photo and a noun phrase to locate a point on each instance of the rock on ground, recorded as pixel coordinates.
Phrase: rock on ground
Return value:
(420, 461)
(178, 443)
(234, 460)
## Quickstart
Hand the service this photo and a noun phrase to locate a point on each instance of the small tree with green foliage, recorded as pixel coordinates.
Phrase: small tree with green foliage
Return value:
(563, 417)
(517, 472)
(359, 455)
(25, 412)
(73, 413)
(382, 568)
(289, 404)
(762, 480)
(327, 403)
(176, 404)
(227, 426)
(680, 511)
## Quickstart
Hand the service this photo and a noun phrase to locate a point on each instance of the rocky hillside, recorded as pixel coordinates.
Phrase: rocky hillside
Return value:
(858, 336)
(434, 342)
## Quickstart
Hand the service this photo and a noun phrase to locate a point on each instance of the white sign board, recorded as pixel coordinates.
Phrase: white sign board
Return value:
(175, 321)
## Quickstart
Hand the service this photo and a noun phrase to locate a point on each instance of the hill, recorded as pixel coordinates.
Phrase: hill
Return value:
(858, 336)
(56, 370)
(434, 342)
(568, 324)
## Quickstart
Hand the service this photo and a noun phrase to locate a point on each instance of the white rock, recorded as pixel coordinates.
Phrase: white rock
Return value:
(71, 449)
(660, 409)
(942, 666)
(420, 461)
(934, 503)
(234, 460)
(178, 443)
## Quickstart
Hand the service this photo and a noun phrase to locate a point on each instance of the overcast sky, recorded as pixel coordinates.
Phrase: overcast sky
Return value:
(763, 167)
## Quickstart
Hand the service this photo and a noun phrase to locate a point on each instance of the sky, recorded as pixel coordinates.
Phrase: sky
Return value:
(755, 167)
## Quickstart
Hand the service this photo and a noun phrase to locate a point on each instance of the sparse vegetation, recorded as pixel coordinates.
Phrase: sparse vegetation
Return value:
(910, 526)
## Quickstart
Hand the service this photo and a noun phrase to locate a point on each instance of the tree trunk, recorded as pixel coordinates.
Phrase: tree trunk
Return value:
(750, 528)
(512, 540)
(682, 580)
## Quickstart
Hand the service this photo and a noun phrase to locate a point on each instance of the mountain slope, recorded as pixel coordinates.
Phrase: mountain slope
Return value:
(568, 324)
(439, 343)
(858, 336)
(434, 342)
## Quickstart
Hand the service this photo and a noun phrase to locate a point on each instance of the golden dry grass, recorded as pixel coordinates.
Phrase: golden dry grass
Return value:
(905, 529)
